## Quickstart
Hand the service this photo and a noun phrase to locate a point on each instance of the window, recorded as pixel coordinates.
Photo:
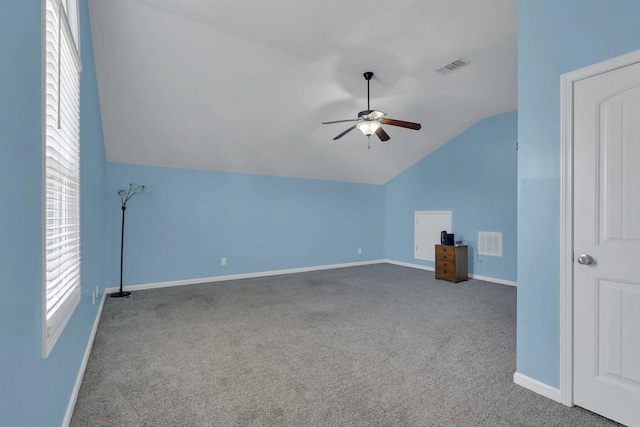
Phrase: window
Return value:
(61, 123)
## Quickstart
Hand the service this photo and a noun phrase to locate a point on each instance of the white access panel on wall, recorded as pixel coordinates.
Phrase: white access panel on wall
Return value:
(428, 226)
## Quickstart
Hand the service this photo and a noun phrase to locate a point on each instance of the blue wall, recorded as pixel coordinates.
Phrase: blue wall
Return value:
(554, 37)
(474, 176)
(33, 391)
(259, 223)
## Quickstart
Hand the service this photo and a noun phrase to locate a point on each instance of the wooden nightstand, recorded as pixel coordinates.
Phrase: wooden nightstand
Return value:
(452, 263)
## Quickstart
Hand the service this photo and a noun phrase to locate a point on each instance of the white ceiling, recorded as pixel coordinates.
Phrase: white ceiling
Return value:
(243, 85)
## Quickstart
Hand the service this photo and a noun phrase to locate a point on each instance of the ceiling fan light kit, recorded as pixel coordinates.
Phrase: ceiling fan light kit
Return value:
(368, 127)
(371, 121)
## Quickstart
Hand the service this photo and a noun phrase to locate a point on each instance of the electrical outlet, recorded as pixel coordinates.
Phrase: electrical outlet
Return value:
(223, 261)
(359, 250)
(94, 298)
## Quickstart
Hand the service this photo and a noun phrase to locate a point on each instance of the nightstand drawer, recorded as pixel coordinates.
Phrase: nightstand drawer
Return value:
(445, 265)
(446, 271)
(445, 253)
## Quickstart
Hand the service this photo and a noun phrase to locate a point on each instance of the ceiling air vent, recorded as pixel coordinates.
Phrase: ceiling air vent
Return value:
(458, 63)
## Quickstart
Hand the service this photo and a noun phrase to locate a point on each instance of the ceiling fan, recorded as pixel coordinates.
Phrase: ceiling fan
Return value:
(371, 121)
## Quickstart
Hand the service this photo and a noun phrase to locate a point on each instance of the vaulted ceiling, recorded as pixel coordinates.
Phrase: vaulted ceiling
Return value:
(243, 85)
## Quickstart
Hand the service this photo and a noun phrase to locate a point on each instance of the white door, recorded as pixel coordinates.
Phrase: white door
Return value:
(607, 229)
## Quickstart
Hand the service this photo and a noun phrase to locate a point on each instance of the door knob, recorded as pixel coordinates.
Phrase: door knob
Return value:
(585, 259)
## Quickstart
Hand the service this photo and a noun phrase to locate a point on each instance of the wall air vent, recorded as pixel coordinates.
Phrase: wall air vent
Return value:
(458, 63)
(489, 243)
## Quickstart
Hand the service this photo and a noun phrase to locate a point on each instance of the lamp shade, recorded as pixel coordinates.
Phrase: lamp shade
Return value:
(369, 127)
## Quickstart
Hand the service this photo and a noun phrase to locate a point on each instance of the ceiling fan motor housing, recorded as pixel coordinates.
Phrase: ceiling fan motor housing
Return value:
(371, 115)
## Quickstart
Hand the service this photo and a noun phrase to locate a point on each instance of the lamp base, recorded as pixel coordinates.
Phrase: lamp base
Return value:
(120, 294)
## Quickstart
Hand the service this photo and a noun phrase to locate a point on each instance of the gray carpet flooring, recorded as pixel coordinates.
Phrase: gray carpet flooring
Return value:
(377, 345)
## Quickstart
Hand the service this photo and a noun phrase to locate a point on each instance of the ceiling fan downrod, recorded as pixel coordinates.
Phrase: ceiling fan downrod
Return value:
(367, 75)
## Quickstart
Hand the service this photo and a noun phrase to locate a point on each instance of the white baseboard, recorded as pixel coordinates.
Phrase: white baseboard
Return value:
(493, 280)
(406, 264)
(472, 276)
(157, 285)
(83, 365)
(538, 387)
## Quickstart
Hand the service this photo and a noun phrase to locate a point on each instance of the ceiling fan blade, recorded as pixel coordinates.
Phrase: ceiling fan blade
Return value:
(340, 121)
(345, 132)
(402, 124)
(382, 135)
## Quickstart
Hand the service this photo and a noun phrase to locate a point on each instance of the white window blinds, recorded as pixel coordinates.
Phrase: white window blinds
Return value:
(62, 175)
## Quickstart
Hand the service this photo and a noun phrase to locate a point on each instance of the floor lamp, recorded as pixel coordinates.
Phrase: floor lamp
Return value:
(124, 197)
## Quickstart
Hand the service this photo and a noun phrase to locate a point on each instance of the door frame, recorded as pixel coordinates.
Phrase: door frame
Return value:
(567, 82)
